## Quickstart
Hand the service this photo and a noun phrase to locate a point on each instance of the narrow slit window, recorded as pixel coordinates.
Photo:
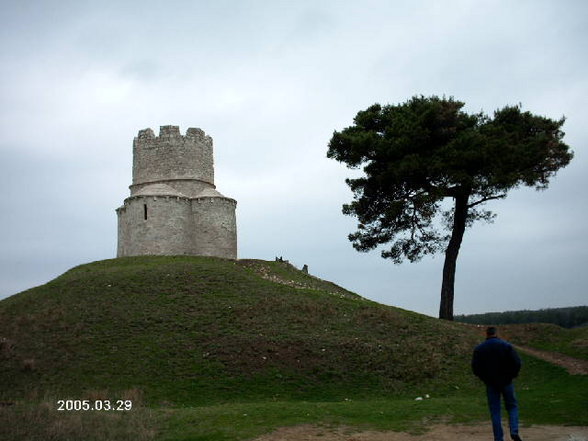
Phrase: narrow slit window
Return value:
(145, 211)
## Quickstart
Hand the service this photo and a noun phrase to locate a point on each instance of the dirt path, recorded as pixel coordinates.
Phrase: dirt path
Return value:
(574, 366)
(478, 432)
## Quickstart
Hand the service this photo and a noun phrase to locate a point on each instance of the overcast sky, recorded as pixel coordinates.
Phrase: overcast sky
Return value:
(270, 81)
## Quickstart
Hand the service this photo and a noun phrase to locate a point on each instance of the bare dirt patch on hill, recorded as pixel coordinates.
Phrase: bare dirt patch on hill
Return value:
(574, 366)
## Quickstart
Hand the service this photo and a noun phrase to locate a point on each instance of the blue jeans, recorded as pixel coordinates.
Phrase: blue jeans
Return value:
(510, 403)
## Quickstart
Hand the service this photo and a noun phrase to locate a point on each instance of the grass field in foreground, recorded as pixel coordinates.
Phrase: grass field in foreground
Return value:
(547, 395)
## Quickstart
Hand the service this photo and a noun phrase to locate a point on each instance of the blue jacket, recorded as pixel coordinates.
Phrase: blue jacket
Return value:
(496, 362)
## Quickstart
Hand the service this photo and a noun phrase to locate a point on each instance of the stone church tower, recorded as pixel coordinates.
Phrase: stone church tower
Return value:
(174, 207)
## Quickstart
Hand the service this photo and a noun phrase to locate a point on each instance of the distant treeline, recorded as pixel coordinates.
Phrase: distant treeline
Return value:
(565, 317)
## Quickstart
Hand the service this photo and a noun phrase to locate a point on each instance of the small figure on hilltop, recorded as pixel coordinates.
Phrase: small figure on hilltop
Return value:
(497, 363)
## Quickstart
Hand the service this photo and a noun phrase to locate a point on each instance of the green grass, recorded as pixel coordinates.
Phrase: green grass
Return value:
(556, 402)
(225, 350)
(547, 395)
(246, 421)
(195, 331)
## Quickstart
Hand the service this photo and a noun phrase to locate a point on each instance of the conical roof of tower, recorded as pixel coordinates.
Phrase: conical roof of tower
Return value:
(210, 193)
(159, 190)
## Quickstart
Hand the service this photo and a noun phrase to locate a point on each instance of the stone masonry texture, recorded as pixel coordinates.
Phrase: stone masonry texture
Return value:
(174, 207)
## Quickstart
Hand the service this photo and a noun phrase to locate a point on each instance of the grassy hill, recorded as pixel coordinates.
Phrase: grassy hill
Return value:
(190, 330)
(212, 349)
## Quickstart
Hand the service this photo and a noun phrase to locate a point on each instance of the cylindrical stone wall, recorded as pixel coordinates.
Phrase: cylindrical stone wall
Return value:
(215, 227)
(155, 225)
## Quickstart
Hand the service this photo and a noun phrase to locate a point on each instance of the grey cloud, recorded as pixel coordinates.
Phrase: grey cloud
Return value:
(270, 81)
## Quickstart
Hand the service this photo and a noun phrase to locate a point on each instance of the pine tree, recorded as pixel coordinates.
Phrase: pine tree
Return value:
(419, 153)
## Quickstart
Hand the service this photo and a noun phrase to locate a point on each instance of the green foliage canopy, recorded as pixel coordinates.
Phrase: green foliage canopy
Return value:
(418, 153)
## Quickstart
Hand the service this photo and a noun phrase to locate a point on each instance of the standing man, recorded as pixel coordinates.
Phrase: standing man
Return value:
(497, 363)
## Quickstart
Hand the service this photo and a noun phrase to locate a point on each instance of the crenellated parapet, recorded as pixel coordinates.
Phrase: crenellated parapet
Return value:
(199, 136)
(146, 134)
(173, 132)
(172, 157)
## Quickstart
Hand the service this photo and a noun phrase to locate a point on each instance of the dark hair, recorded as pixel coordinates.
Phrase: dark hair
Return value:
(491, 331)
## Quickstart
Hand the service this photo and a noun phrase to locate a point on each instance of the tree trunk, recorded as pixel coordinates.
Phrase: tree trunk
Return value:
(447, 286)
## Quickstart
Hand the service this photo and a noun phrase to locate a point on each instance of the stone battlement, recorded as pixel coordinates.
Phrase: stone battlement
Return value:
(173, 132)
(173, 157)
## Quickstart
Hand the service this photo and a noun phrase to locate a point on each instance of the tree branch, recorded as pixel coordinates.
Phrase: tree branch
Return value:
(500, 196)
